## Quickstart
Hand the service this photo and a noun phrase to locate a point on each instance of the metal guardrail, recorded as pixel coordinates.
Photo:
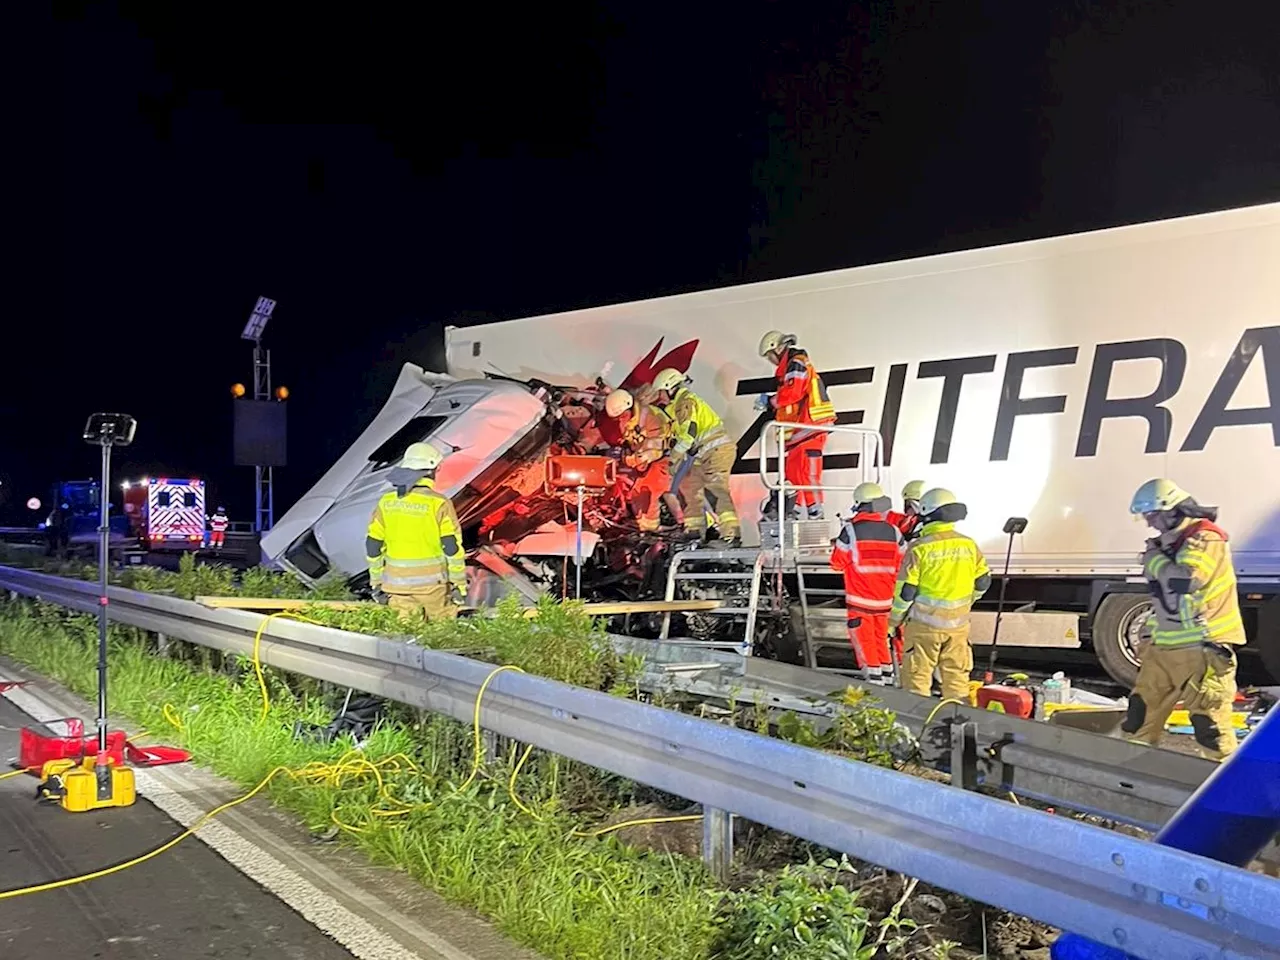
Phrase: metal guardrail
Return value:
(1152, 901)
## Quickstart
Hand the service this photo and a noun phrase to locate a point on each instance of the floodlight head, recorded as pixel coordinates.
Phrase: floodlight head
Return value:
(110, 429)
(257, 324)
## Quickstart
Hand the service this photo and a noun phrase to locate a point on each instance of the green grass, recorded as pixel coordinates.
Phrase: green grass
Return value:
(542, 882)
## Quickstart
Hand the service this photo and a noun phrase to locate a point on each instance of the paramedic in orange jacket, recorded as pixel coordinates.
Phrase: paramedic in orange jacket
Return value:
(868, 552)
(801, 399)
(642, 431)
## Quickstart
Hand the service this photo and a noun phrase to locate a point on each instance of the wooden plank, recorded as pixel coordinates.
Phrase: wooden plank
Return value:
(273, 604)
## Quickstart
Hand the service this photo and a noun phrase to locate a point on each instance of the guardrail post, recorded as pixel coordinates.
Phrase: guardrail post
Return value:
(489, 740)
(964, 755)
(162, 644)
(717, 841)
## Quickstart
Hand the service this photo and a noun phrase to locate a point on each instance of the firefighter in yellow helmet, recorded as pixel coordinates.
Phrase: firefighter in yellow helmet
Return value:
(1197, 623)
(414, 543)
(943, 572)
(698, 435)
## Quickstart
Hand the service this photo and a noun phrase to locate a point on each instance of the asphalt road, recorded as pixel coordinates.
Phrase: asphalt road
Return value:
(187, 903)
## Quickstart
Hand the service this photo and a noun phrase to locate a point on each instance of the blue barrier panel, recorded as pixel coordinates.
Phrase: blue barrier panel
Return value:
(1230, 818)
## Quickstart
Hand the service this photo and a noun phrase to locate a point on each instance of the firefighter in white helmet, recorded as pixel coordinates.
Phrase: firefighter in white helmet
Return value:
(868, 552)
(908, 521)
(801, 398)
(414, 543)
(699, 435)
(644, 432)
(943, 572)
(1197, 623)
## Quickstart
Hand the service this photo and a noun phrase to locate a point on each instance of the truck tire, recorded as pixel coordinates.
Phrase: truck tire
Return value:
(1116, 628)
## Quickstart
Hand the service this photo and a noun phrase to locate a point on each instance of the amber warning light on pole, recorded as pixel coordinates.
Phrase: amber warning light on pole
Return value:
(238, 390)
(282, 393)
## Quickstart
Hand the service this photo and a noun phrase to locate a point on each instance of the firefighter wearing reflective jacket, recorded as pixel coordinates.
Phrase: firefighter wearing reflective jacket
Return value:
(643, 431)
(908, 521)
(414, 543)
(699, 438)
(1197, 623)
(943, 573)
(868, 552)
(801, 399)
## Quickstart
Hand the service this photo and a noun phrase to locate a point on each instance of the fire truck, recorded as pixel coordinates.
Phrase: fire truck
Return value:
(166, 514)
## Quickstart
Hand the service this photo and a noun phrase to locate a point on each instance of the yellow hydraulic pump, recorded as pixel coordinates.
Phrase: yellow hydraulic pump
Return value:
(88, 784)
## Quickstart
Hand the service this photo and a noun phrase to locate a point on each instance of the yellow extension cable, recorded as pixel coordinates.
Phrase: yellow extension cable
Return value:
(333, 774)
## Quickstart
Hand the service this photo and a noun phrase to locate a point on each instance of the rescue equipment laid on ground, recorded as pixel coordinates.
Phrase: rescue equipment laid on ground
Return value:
(92, 783)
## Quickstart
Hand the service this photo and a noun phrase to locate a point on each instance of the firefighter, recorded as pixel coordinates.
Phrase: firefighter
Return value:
(643, 431)
(1197, 623)
(699, 436)
(801, 399)
(414, 543)
(868, 551)
(218, 524)
(943, 573)
(908, 521)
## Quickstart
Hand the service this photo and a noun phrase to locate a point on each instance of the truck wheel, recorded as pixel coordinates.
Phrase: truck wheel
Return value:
(1120, 625)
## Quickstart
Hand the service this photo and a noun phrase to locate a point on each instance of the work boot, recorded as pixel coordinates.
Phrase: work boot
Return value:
(816, 512)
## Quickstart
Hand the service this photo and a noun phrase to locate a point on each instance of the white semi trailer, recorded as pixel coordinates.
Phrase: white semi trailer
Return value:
(1045, 379)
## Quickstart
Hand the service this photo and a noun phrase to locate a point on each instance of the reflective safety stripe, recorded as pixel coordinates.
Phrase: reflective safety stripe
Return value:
(1197, 599)
(875, 604)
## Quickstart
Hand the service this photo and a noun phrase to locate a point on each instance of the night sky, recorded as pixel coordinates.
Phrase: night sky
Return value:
(381, 174)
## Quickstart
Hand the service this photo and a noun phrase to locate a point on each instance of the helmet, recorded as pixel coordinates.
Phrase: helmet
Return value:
(669, 380)
(618, 402)
(421, 456)
(222, 509)
(866, 492)
(774, 341)
(1156, 495)
(914, 490)
(935, 499)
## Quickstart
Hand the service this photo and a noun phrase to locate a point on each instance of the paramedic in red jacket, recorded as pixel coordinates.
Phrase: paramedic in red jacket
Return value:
(801, 399)
(868, 552)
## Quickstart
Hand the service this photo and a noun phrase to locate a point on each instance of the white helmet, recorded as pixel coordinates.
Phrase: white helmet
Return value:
(618, 402)
(421, 456)
(866, 492)
(669, 380)
(775, 341)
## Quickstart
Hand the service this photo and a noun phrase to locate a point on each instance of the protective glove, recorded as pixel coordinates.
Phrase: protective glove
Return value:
(458, 594)
(380, 597)
(763, 402)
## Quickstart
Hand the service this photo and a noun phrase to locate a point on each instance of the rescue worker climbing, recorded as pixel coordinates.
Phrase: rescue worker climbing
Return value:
(218, 524)
(801, 399)
(1197, 623)
(699, 435)
(868, 551)
(414, 543)
(908, 521)
(643, 431)
(943, 572)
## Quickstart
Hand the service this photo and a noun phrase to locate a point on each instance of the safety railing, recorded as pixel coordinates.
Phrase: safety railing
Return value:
(1154, 901)
(870, 467)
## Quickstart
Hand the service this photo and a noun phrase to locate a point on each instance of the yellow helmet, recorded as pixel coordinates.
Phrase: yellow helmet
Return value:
(775, 341)
(618, 403)
(1156, 495)
(669, 380)
(421, 456)
(935, 499)
(866, 492)
(914, 490)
